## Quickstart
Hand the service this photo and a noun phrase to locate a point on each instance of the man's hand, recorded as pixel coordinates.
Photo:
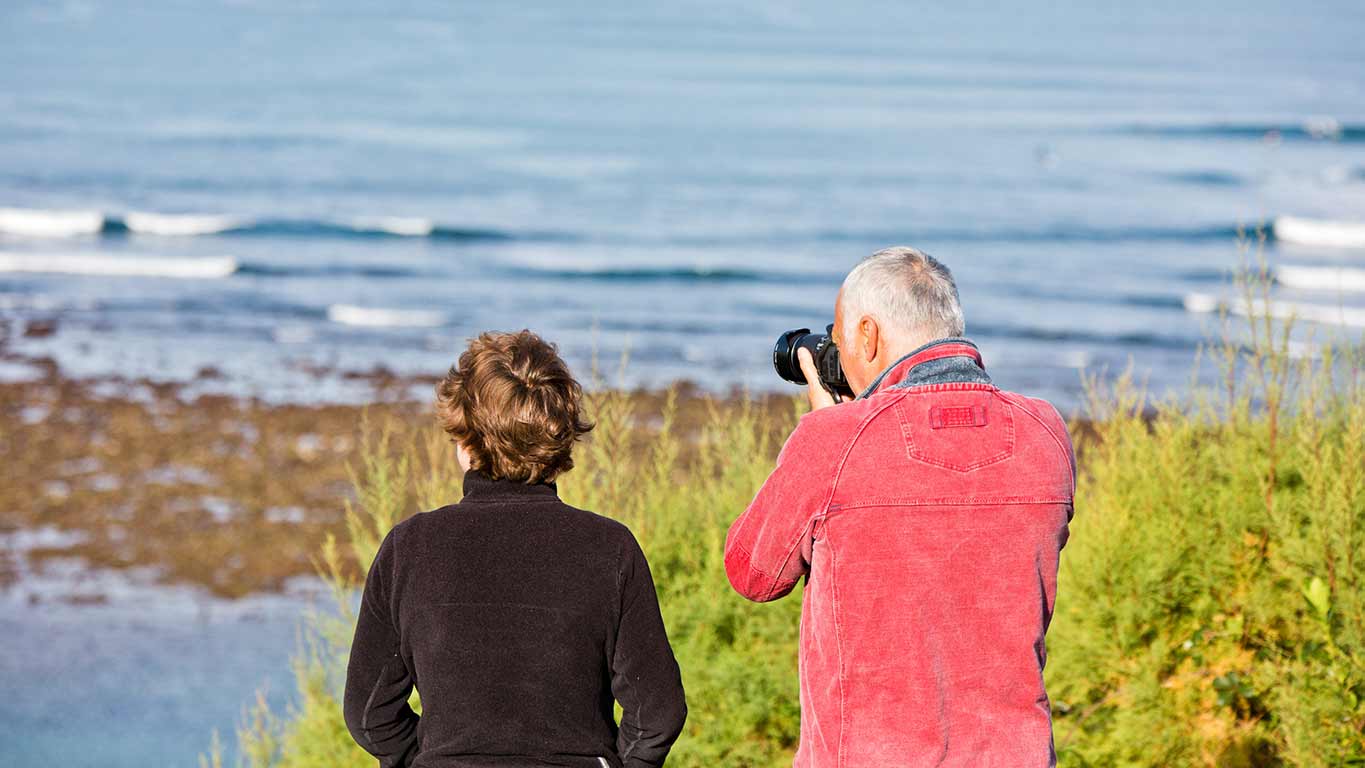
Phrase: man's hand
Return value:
(819, 396)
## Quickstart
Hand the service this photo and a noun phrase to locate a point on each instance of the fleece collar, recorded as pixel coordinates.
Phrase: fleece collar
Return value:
(480, 487)
(950, 360)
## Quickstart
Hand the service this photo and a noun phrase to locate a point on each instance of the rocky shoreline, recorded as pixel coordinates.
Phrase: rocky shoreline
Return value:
(233, 495)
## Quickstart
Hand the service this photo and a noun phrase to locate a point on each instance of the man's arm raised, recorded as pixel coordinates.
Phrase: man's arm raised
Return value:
(768, 548)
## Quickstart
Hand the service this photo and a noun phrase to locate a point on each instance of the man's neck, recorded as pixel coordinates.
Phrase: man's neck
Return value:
(976, 373)
(902, 349)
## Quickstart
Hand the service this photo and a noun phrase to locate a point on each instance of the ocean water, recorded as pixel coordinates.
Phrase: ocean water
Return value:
(270, 187)
(267, 187)
(111, 668)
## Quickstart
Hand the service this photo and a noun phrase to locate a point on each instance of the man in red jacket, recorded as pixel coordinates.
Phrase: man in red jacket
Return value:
(927, 516)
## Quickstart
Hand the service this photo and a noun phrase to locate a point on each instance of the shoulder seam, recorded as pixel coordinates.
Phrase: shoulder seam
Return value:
(848, 449)
(1061, 446)
(823, 509)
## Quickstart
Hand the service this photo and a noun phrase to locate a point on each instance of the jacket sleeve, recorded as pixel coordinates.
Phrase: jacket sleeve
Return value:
(644, 674)
(1062, 435)
(768, 548)
(378, 681)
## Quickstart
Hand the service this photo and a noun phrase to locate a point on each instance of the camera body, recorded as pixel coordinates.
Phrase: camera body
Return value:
(822, 350)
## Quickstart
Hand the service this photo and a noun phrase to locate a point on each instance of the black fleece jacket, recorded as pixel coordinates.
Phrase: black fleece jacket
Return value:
(520, 620)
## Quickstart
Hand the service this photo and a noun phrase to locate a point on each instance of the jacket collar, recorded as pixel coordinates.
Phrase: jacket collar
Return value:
(480, 487)
(944, 361)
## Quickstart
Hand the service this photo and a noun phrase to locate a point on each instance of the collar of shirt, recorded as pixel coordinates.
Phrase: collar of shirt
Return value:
(478, 486)
(943, 361)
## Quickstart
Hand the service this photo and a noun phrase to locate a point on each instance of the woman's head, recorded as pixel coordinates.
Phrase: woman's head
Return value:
(512, 405)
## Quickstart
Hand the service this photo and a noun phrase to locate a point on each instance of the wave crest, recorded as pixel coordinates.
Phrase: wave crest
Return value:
(118, 266)
(181, 225)
(382, 317)
(1325, 232)
(1342, 279)
(1321, 314)
(36, 222)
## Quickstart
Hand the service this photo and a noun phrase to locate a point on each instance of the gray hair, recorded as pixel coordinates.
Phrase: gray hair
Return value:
(906, 291)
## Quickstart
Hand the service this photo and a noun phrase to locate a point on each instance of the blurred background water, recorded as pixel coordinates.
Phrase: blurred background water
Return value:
(272, 187)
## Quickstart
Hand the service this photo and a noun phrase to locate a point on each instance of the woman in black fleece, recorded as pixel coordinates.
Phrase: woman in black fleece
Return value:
(518, 618)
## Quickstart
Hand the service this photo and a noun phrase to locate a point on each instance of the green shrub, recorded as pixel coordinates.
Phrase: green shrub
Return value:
(1211, 607)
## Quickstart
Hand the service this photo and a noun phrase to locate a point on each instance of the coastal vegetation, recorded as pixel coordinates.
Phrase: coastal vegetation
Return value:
(1211, 606)
(1211, 601)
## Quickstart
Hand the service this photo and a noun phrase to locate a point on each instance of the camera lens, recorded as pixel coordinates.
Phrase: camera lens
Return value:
(784, 355)
(822, 351)
(786, 362)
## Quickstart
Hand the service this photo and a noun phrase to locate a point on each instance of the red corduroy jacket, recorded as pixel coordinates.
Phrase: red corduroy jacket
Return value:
(927, 517)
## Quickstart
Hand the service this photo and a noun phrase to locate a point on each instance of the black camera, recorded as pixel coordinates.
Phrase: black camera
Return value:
(822, 350)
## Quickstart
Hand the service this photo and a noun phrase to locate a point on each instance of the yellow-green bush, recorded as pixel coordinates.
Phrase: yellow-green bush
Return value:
(1210, 607)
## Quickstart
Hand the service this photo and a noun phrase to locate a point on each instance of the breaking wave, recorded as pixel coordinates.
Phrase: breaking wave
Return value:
(119, 266)
(1322, 232)
(33, 222)
(48, 223)
(180, 225)
(382, 317)
(1321, 314)
(1340, 279)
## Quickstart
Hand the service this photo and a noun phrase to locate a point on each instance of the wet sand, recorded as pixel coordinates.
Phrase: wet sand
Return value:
(229, 494)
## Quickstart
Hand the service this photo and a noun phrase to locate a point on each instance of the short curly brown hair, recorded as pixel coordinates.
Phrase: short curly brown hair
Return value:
(514, 406)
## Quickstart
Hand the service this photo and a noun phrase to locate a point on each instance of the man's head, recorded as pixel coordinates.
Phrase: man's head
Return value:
(512, 408)
(894, 301)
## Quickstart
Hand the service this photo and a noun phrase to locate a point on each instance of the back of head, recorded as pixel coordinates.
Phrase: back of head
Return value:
(514, 406)
(910, 294)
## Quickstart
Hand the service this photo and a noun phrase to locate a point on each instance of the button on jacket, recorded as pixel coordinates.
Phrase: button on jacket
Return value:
(520, 620)
(927, 517)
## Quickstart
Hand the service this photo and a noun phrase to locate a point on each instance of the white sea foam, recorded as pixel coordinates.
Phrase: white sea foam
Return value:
(1322, 314)
(1323, 127)
(1201, 303)
(33, 222)
(180, 225)
(1339, 279)
(1324, 232)
(379, 317)
(121, 266)
(395, 225)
